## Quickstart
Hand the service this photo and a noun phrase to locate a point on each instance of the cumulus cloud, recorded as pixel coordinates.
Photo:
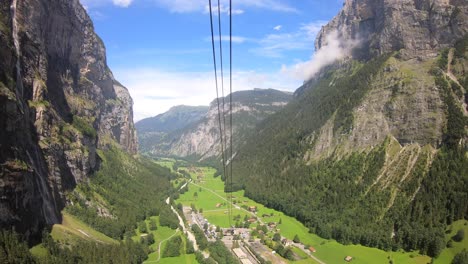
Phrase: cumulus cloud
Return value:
(335, 49)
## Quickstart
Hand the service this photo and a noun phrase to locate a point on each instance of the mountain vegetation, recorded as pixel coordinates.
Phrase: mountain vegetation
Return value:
(389, 195)
(122, 193)
(58, 107)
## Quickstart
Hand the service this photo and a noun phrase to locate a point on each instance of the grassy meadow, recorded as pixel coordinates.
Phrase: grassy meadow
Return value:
(209, 189)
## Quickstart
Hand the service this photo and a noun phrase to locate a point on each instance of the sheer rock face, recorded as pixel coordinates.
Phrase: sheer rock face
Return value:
(59, 102)
(417, 28)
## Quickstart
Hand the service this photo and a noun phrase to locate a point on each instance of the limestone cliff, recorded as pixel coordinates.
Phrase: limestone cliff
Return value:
(417, 28)
(377, 140)
(59, 102)
(202, 139)
(404, 101)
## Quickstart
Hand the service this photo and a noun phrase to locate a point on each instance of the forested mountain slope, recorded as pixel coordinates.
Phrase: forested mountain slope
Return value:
(201, 140)
(59, 104)
(372, 150)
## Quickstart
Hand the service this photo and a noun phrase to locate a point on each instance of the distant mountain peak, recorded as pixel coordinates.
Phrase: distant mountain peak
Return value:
(199, 137)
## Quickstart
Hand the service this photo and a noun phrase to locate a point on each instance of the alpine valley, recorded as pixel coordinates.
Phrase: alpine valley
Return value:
(368, 156)
(199, 137)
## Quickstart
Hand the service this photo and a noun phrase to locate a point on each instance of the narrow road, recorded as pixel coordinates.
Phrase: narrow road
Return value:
(301, 247)
(186, 230)
(190, 236)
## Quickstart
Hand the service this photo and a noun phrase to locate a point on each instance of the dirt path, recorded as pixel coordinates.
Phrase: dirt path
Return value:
(159, 247)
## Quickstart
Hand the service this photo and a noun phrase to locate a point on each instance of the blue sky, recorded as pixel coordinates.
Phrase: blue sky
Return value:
(161, 49)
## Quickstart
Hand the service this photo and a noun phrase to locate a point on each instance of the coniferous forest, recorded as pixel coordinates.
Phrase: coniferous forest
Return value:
(334, 197)
(129, 189)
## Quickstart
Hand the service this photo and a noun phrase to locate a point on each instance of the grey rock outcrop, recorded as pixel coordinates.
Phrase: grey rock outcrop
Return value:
(202, 139)
(59, 103)
(153, 130)
(416, 28)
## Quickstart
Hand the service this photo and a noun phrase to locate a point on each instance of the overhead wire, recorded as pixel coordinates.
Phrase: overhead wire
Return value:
(217, 91)
(230, 96)
(227, 171)
(224, 143)
(222, 72)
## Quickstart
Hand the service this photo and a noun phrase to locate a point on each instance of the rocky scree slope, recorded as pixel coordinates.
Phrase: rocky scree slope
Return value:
(374, 151)
(201, 140)
(154, 129)
(59, 102)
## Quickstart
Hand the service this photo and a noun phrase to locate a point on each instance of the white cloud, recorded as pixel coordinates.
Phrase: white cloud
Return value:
(275, 45)
(274, 5)
(235, 39)
(335, 49)
(122, 3)
(95, 3)
(154, 91)
(188, 6)
(224, 9)
(238, 12)
(278, 27)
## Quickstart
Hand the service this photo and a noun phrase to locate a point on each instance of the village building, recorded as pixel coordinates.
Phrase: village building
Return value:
(286, 242)
(348, 258)
(312, 249)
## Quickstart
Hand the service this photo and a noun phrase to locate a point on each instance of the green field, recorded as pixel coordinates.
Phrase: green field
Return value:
(448, 253)
(210, 193)
(328, 251)
(168, 163)
(188, 259)
(70, 232)
(73, 229)
(162, 234)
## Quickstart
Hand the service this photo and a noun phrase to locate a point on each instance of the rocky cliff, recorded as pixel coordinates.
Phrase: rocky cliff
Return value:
(59, 103)
(202, 139)
(375, 144)
(416, 28)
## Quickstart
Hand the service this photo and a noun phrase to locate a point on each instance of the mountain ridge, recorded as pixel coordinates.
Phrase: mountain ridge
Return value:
(201, 140)
(375, 144)
(61, 103)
